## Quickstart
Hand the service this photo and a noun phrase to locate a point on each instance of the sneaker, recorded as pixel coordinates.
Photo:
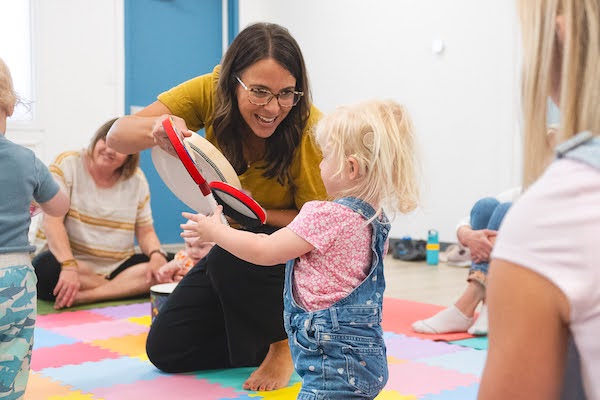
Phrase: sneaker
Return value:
(407, 249)
(458, 256)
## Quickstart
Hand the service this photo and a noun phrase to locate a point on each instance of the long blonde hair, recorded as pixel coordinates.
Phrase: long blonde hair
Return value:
(379, 135)
(575, 64)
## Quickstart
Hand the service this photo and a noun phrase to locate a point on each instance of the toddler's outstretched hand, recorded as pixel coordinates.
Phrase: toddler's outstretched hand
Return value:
(204, 225)
(169, 273)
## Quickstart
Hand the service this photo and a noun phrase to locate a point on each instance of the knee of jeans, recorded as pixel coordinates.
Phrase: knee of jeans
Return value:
(487, 203)
(502, 208)
(482, 212)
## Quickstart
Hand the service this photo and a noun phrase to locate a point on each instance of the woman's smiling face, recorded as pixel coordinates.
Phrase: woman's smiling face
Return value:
(105, 157)
(265, 74)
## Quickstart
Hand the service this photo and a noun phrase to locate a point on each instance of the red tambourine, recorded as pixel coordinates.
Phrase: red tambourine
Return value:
(236, 204)
(176, 139)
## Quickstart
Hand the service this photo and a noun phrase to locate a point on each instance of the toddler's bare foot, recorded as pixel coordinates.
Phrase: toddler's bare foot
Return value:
(275, 371)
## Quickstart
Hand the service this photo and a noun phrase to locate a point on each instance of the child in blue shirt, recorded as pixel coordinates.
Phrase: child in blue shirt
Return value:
(23, 179)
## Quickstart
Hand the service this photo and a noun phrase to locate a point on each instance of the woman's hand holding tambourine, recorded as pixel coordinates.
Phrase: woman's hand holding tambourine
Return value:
(160, 135)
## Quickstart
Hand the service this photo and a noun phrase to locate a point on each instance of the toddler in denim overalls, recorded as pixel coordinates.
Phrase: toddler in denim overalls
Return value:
(334, 282)
(340, 348)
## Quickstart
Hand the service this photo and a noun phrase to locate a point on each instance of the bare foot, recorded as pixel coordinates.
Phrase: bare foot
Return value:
(275, 371)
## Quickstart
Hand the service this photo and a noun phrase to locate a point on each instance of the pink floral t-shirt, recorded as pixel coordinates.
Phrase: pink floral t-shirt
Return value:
(341, 259)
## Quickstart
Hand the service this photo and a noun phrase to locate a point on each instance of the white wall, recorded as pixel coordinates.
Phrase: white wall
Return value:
(463, 101)
(78, 73)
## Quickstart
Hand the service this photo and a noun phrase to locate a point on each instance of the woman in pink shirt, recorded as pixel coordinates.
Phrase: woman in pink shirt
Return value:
(543, 282)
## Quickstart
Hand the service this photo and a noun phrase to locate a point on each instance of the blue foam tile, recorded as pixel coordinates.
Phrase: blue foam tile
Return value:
(467, 362)
(234, 377)
(478, 343)
(244, 397)
(391, 335)
(46, 338)
(105, 373)
(461, 393)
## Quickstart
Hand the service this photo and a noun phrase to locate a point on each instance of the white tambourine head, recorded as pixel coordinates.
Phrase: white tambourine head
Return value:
(212, 165)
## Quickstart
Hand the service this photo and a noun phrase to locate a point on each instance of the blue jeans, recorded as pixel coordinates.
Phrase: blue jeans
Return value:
(487, 213)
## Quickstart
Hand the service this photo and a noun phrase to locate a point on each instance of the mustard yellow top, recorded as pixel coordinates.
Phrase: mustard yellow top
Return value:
(194, 101)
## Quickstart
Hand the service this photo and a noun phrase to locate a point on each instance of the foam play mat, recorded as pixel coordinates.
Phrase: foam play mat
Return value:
(99, 353)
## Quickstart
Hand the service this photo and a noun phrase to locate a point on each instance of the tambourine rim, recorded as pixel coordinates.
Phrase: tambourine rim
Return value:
(246, 200)
(182, 152)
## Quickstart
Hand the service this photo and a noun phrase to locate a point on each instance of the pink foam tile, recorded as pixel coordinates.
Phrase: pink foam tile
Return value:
(101, 330)
(179, 387)
(411, 348)
(418, 379)
(399, 315)
(124, 311)
(66, 354)
(50, 321)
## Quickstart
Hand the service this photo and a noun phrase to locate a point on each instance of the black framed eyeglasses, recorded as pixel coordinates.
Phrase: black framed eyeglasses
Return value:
(261, 97)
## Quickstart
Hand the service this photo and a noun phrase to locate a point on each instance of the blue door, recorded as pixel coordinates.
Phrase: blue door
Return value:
(167, 42)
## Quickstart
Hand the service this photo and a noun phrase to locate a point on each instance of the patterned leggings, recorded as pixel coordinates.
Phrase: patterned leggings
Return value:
(17, 320)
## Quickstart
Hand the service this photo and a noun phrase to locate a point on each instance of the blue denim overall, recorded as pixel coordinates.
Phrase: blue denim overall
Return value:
(339, 352)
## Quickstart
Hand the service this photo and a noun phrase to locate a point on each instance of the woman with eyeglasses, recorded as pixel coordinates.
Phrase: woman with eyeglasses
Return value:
(256, 108)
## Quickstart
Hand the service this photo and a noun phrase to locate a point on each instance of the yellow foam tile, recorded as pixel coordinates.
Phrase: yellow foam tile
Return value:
(142, 356)
(394, 360)
(75, 396)
(291, 392)
(393, 395)
(128, 345)
(146, 320)
(40, 387)
(287, 393)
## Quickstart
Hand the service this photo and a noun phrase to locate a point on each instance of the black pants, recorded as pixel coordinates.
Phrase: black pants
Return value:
(224, 313)
(47, 270)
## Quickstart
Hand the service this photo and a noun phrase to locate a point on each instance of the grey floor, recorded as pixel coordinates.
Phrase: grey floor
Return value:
(418, 281)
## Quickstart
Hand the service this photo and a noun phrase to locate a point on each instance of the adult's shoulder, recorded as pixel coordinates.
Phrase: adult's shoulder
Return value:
(69, 157)
(314, 117)
(193, 100)
(308, 140)
(140, 176)
(16, 151)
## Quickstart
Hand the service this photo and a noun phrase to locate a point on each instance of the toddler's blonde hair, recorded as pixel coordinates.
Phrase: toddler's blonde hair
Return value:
(8, 97)
(379, 135)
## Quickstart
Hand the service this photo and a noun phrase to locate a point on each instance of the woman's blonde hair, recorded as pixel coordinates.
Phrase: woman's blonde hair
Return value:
(379, 135)
(8, 96)
(550, 66)
(132, 162)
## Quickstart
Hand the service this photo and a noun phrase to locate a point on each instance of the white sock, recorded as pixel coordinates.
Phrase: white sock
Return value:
(448, 320)
(480, 327)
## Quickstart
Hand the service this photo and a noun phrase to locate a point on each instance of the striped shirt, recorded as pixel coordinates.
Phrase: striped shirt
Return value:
(101, 221)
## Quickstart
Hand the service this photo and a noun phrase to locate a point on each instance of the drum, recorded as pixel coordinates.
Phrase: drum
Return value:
(158, 296)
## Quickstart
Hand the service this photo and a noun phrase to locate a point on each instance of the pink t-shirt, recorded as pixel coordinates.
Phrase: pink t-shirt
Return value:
(341, 259)
(554, 230)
